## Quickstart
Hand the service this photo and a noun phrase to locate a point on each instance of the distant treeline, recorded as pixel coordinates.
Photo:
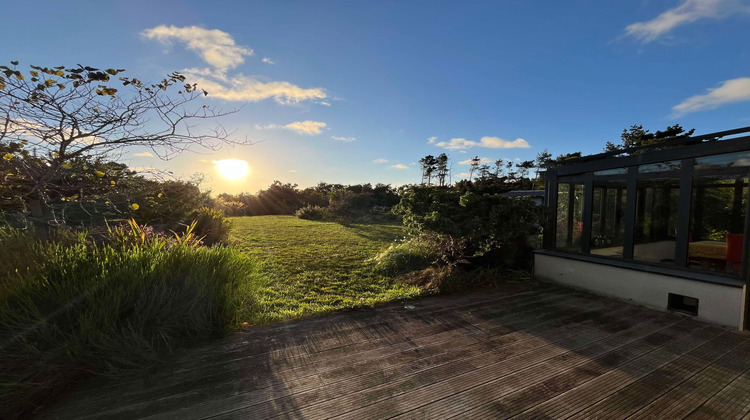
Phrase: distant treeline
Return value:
(280, 198)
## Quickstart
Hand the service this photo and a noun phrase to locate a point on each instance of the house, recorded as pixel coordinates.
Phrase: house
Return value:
(665, 226)
(537, 196)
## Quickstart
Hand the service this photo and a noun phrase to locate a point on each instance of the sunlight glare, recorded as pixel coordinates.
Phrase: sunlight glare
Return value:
(232, 169)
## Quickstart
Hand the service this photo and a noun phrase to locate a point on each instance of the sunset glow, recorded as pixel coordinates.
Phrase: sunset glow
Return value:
(232, 169)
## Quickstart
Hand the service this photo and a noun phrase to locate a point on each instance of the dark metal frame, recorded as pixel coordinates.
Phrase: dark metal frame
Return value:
(581, 170)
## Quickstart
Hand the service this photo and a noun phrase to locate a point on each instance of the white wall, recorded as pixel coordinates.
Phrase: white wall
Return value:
(717, 303)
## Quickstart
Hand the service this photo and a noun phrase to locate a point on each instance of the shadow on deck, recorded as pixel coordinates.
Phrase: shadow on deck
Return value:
(519, 351)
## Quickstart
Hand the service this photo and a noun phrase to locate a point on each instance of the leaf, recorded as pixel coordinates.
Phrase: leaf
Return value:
(15, 63)
(111, 71)
(59, 73)
(34, 73)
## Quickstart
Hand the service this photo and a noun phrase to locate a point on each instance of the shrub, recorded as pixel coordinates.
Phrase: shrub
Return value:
(471, 225)
(211, 225)
(314, 213)
(409, 255)
(72, 308)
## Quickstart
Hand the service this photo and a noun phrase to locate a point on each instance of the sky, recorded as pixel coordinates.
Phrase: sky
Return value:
(358, 91)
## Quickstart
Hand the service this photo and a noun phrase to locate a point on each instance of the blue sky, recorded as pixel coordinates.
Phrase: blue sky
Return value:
(354, 92)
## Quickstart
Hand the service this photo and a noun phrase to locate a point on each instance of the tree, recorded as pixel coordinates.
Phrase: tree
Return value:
(524, 168)
(543, 159)
(636, 136)
(428, 167)
(49, 117)
(441, 165)
(474, 162)
(499, 167)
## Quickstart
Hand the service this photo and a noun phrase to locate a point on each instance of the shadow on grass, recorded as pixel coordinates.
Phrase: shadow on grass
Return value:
(379, 232)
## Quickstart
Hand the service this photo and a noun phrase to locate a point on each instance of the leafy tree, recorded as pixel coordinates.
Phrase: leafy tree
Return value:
(428, 165)
(524, 168)
(441, 163)
(52, 118)
(636, 136)
(474, 162)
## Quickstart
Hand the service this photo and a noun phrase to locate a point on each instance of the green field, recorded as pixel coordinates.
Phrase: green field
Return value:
(316, 267)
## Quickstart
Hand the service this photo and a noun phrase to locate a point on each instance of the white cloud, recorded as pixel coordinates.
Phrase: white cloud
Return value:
(380, 160)
(293, 171)
(489, 142)
(344, 138)
(481, 161)
(218, 49)
(464, 175)
(301, 127)
(431, 140)
(687, 12)
(324, 103)
(734, 90)
(215, 47)
(143, 169)
(143, 154)
(245, 88)
(399, 166)
(306, 127)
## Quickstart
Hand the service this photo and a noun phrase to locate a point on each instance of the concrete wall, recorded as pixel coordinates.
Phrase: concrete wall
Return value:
(717, 303)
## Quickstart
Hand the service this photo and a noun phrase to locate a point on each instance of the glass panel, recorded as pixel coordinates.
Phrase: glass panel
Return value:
(569, 217)
(717, 223)
(657, 207)
(729, 160)
(608, 219)
(672, 165)
(615, 171)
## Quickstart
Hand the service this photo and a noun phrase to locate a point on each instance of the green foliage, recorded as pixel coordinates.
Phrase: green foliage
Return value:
(71, 307)
(211, 225)
(469, 224)
(314, 213)
(416, 253)
(350, 202)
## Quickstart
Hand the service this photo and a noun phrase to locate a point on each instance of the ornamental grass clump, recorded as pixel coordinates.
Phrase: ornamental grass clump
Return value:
(73, 308)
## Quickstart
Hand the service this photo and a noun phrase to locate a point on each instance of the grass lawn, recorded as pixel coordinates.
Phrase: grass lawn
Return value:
(316, 267)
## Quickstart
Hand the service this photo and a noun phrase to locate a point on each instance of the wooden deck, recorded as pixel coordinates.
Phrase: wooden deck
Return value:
(519, 352)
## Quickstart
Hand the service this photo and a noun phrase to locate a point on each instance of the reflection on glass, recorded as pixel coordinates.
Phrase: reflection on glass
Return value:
(608, 224)
(615, 171)
(672, 165)
(657, 207)
(717, 223)
(569, 217)
(729, 160)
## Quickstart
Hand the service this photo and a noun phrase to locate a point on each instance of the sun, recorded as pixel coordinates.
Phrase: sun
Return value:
(232, 169)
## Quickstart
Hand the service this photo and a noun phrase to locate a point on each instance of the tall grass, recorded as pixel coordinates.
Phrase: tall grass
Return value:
(71, 308)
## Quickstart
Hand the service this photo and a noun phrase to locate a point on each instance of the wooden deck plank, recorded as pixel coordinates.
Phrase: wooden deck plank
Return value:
(506, 396)
(732, 402)
(647, 389)
(445, 389)
(511, 357)
(591, 392)
(423, 364)
(238, 377)
(694, 392)
(422, 358)
(520, 351)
